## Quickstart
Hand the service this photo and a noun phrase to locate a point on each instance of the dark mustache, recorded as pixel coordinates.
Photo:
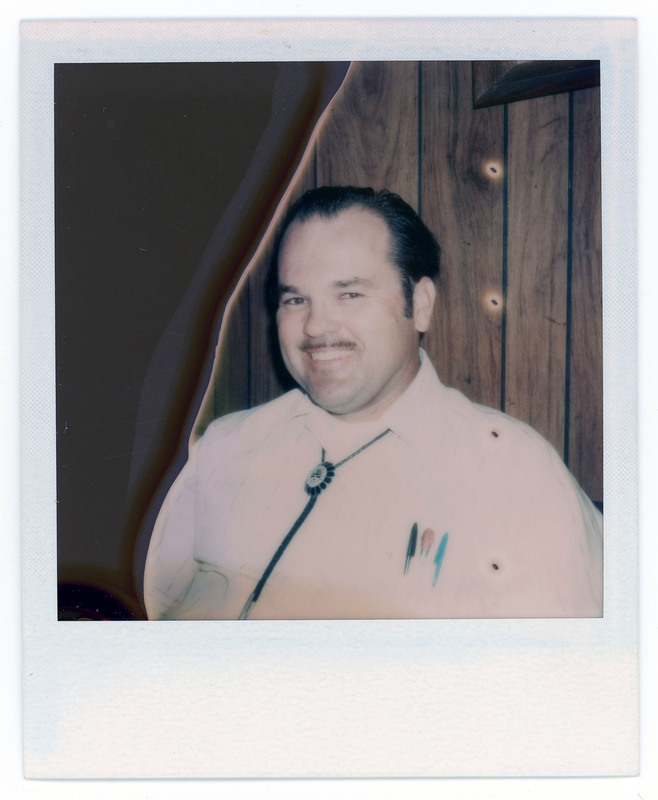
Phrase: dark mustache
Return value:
(326, 345)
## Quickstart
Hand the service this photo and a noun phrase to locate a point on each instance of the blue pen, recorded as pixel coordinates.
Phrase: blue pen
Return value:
(438, 558)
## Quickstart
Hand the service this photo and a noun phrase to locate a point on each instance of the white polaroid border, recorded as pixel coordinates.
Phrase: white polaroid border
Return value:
(329, 699)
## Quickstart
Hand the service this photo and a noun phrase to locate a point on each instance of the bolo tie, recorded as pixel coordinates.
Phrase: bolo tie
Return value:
(317, 481)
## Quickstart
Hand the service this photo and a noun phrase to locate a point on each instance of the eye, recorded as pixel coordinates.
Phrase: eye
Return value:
(350, 295)
(293, 301)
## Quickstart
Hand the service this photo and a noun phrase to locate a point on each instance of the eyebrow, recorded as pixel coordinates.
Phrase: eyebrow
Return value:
(352, 282)
(285, 289)
(343, 284)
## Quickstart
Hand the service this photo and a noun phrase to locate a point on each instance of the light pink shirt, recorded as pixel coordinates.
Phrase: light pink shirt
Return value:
(520, 539)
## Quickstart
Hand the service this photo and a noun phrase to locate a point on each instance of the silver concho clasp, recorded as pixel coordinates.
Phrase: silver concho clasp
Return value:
(319, 478)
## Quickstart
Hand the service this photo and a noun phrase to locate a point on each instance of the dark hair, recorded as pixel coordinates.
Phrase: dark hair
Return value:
(416, 252)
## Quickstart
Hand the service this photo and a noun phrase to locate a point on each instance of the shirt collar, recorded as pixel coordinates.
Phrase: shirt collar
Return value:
(408, 416)
(418, 402)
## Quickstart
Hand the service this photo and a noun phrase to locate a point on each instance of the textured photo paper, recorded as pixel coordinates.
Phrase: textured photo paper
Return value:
(115, 380)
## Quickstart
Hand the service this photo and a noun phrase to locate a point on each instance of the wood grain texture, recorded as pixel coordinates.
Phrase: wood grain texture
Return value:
(586, 355)
(537, 264)
(462, 174)
(371, 138)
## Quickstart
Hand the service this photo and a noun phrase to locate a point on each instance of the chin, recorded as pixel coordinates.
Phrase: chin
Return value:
(331, 404)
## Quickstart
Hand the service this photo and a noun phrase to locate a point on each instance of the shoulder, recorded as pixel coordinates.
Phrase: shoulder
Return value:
(445, 420)
(515, 462)
(252, 424)
(481, 427)
(445, 409)
(508, 432)
(496, 448)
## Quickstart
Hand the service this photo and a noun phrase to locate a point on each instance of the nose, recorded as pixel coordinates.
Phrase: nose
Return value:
(320, 319)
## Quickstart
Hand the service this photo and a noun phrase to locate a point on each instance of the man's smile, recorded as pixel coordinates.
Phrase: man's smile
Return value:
(329, 355)
(324, 351)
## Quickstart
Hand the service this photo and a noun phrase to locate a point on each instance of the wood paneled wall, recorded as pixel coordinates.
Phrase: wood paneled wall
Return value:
(513, 194)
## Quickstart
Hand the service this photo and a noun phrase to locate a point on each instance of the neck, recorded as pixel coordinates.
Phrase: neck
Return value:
(375, 410)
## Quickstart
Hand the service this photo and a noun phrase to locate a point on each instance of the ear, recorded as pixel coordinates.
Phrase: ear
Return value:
(424, 296)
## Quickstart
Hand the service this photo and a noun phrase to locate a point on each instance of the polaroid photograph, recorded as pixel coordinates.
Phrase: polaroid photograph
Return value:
(329, 452)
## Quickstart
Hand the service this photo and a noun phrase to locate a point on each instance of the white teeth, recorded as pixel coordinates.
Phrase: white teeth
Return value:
(330, 355)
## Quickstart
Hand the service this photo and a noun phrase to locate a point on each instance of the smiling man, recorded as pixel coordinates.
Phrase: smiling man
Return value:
(372, 491)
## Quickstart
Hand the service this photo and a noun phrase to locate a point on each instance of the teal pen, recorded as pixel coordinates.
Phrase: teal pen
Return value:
(438, 558)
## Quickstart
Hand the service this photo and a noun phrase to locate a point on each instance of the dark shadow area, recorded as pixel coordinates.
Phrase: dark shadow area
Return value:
(166, 177)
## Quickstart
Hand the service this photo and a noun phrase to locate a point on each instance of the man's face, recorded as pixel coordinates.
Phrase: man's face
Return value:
(343, 332)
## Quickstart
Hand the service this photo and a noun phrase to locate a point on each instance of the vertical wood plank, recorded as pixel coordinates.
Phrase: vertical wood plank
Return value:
(537, 264)
(231, 393)
(371, 138)
(586, 353)
(462, 175)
